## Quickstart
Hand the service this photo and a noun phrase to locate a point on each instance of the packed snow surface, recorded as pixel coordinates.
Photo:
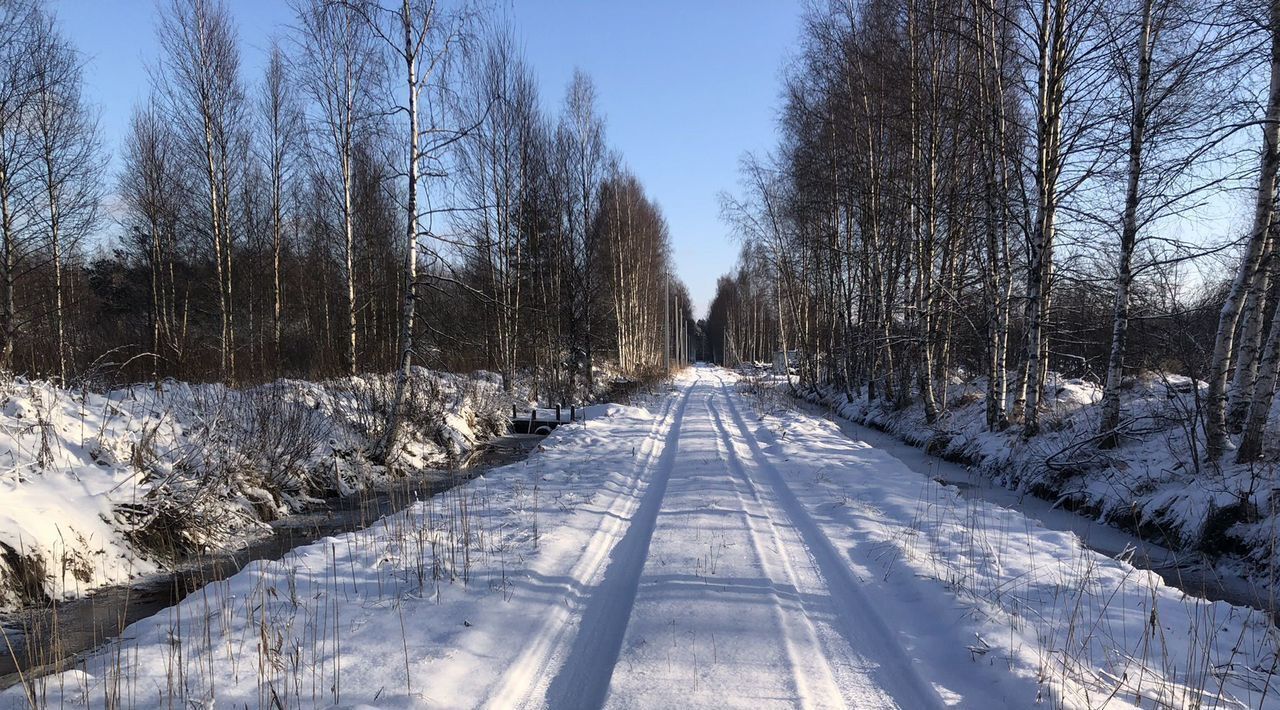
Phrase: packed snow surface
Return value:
(695, 553)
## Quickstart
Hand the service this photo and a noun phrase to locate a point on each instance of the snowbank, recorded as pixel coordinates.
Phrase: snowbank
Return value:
(1153, 483)
(98, 488)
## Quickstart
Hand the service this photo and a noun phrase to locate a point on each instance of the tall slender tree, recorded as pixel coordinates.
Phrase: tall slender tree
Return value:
(341, 69)
(198, 77)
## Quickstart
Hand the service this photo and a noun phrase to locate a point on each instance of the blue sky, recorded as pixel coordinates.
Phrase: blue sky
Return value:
(687, 86)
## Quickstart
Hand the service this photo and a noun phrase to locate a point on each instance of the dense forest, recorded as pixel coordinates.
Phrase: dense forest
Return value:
(390, 190)
(1001, 189)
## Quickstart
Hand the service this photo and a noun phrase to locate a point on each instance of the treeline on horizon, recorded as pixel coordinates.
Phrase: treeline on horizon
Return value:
(1003, 188)
(388, 191)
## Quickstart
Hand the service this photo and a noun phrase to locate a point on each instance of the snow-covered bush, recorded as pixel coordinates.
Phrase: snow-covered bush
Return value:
(96, 488)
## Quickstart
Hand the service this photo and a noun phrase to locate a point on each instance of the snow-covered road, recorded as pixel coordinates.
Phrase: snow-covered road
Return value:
(740, 599)
(698, 554)
(712, 597)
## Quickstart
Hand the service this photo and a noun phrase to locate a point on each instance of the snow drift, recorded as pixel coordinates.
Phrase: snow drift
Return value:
(98, 488)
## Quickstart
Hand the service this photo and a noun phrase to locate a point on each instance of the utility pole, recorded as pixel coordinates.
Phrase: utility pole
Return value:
(680, 337)
(666, 324)
(684, 339)
(679, 328)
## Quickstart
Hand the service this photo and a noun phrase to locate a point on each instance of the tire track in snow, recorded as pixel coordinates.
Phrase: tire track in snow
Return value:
(707, 629)
(583, 678)
(810, 669)
(585, 653)
(863, 629)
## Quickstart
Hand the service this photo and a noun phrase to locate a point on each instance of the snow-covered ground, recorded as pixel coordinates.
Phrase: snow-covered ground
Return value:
(1188, 570)
(99, 488)
(694, 553)
(1155, 483)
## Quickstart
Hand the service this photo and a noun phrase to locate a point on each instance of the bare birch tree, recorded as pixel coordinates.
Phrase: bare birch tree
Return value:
(1166, 56)
(199, 78)
(150, 185)
(1264, 214)
(66, 141)
(18, 19)
(341, 68)
(279, 113)
(1215, 424)
(581, 144)
(421, 37)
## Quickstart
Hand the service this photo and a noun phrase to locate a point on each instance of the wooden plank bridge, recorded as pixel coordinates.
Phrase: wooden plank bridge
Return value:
(541, 421)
